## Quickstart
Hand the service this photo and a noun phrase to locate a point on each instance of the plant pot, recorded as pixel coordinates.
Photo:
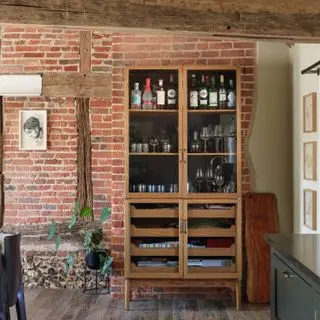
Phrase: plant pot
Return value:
(93, 261)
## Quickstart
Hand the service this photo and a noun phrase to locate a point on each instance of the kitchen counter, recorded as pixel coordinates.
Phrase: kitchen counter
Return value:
(295, 276)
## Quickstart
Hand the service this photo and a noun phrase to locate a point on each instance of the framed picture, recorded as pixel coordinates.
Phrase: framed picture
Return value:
(310, 209)
(310, 160)
(33, 130)
(310, 112)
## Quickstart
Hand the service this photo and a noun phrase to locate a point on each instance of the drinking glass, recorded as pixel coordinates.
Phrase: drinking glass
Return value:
(204, 135)
(209, 176)
(217, 133)
(199, 178)
(154, 142)
(219, 177)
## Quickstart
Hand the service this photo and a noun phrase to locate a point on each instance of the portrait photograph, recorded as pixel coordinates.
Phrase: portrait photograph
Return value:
(33, 130)
(310, 112)
(310, 160)
(310, 209)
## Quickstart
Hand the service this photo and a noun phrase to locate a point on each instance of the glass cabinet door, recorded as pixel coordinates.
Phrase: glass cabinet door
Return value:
(154, 143)
(211, 132)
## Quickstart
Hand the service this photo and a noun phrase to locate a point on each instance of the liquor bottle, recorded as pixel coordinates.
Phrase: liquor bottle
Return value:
(222, 94)
(231, 95)
(161, 96)
(213, 94)
(154, 96)
(172, 94)
(147, 96)
(136, 97)
(203, 93)
(193, 96)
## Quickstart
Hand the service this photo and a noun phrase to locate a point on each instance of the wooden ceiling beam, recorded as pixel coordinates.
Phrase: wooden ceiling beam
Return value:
(287, 19)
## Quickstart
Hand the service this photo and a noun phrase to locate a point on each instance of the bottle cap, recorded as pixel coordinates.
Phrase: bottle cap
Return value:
(160, 82)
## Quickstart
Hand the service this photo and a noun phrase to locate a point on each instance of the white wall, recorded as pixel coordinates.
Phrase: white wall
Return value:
(270, 144)
(302, 56)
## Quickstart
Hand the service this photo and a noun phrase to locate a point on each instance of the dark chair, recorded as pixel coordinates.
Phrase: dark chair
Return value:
(11, 283)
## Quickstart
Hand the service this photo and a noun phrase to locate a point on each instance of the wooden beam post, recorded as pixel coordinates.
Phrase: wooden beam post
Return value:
(84, 157)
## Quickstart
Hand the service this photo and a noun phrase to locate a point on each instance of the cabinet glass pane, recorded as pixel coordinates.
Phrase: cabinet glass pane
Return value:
(211, 131)
(153, 131)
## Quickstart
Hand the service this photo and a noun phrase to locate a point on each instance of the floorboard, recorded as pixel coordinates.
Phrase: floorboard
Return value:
(64, 304)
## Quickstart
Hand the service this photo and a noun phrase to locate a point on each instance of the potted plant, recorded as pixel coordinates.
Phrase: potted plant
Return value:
(82, 223)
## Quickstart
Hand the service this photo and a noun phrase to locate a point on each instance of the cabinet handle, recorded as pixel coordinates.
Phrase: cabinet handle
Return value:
(288, 275)
(181, 226)
(185, 226)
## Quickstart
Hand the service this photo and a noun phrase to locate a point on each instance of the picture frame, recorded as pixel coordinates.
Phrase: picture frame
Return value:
(310, 160)
(33, 130)
(310, 112)
(310, 209)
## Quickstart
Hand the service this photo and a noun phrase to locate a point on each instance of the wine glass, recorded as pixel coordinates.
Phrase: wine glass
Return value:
(154, 142)
(199, 178)
(217, 133)
(219, 177)
(204, 135)
(209, 176)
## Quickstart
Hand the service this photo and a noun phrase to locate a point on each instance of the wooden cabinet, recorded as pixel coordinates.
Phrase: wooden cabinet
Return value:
(183, 180)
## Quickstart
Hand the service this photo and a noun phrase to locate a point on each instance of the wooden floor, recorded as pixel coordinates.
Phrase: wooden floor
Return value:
(63, 304)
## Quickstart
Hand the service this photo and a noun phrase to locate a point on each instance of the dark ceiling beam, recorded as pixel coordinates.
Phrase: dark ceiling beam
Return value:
(286, 19)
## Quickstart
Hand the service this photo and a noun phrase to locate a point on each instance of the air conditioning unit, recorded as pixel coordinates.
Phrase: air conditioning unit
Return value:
(24, 85)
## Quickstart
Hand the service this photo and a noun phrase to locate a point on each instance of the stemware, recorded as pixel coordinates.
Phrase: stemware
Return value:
(219, 177)
(199, 178)
(209, 176)
(204, 135)
(217, 134)
(154, 142)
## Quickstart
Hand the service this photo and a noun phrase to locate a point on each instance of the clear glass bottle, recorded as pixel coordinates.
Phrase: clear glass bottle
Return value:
(193, 95)
(172, 94)
(203, 93)
(136, 97)
(154, 96)
(232, 101)
(222, 94)
(195, 144)
(161, 96)
(147, 96)
(213, 94)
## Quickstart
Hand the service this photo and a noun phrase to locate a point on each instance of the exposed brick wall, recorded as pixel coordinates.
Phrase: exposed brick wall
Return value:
(33, 49)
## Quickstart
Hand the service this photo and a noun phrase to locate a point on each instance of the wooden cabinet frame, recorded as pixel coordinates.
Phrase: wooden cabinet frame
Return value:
(231, 277)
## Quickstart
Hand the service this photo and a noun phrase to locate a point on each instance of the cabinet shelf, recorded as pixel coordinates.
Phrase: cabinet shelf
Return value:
(209, 154)
(154, 232)
(159, 111)
(212, 110)
(212, 252)
(156, 252)
(153, 153)
(212, 232)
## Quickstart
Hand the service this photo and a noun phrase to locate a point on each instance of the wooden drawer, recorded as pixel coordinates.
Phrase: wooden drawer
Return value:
(228, 212)
(154, 213)
(212, 232)
(222, 252)
(154, 232)
(136, 251)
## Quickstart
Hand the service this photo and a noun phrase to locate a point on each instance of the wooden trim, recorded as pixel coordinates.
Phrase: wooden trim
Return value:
(85, 85)
(154, 213)
(2, 195)
(127, 239)
(212, 213)
(239, 132)
(313, 97)
(154, 232)
(84, 174)
(239, 246)
(126, 132)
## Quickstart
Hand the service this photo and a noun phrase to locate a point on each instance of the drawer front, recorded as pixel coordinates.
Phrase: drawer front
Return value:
(293, 296)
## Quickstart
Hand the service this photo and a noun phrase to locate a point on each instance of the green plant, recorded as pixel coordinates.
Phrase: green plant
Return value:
(91, 233)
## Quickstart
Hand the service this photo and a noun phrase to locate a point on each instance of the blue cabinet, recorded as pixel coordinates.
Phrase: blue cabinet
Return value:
(293, 295)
